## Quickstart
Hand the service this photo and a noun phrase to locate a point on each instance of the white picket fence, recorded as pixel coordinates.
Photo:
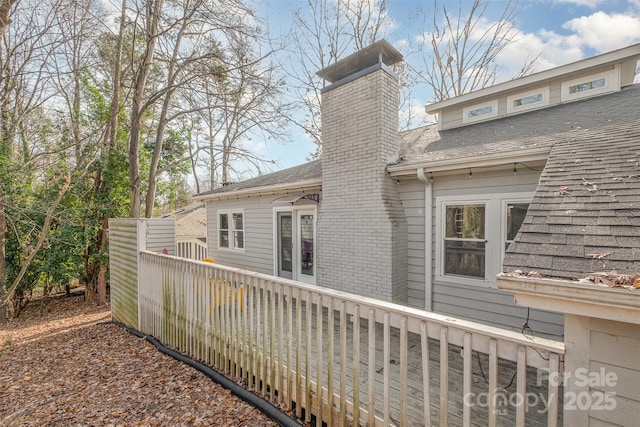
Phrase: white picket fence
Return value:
(335, 357)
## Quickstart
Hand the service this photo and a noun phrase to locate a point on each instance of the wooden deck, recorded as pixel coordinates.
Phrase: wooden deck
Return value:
(535, 399)
(384, 364)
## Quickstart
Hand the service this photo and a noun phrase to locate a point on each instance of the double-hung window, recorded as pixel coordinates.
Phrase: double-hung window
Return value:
(464, 240)
(231, 230)
(474, 233)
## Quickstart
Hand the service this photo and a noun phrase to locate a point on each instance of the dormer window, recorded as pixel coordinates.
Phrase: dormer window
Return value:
(587, 86)
(594, 84)
(478, 112)
(529, 100)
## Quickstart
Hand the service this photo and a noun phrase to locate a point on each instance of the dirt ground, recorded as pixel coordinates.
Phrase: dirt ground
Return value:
(63, 368)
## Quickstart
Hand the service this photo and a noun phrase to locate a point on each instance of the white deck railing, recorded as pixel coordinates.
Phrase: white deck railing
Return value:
(191, 248)
(339, 357)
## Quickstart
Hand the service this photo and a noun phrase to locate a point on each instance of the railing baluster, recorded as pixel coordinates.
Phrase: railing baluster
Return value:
(356, 365)
(272, 338)
(521, 385)
(371, 378)
(281, 334)
(297, 395)
(307, 366)
(552, 412)
(258, 349)
(386, 367)
(289, 396)
(343, 363)
(493, 382)
(319, 360)
(265, 338)
(467, 374)
(403, 371)
(444, 375)
(253, 364)
(426, 380)
(330, 359)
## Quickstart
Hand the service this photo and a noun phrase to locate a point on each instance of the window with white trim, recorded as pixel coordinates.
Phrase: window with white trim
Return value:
(464, 240)
(590, 85)
(474, 233)
(478, 112)
(529, 100)
(231, 230)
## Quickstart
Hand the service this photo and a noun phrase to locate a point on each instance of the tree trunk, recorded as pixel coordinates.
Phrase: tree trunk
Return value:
(102, 274)
(154, 9)
(3, 263)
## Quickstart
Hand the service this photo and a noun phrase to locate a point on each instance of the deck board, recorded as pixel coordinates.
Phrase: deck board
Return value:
(506, 411)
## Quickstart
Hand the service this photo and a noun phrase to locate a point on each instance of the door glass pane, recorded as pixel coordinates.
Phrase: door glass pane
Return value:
(306, 244)
(286, 236)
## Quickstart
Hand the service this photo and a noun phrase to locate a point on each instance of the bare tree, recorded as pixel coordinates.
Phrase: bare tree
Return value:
(461, 48)
(150, 33)
(247, 103)
(323, 32)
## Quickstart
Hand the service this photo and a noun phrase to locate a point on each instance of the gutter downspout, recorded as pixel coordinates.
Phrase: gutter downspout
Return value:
(428, 238)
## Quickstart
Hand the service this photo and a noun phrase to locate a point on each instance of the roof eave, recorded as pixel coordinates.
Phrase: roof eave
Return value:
(305, 185)
(411, 168)
(610, 58)
(573, 298)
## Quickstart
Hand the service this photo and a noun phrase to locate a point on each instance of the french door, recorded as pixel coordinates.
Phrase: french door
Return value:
(295, 245)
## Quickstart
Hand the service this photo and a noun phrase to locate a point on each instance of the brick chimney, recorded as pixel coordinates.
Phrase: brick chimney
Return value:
(361, 228)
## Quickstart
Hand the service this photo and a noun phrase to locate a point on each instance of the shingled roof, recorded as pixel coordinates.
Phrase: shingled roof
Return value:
(536, 129)
(304, 172)
(585, 213)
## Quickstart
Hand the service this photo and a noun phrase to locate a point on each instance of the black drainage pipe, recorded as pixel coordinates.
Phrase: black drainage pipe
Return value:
(257, 402)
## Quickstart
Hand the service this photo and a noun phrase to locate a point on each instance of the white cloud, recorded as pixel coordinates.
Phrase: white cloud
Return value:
(596, 33)
(604, 32)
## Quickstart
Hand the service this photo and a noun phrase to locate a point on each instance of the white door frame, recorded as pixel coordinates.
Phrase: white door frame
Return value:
(296, 213)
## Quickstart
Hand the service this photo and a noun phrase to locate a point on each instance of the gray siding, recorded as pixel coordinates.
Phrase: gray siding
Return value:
(161, 234)
(482, 304)
(123, 270)
(412, 197)
(452, 117)
(258, 229)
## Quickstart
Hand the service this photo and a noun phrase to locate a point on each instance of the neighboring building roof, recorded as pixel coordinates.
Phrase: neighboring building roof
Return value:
(585, 213)
(306, 172)
(535, 130)
(191, 220)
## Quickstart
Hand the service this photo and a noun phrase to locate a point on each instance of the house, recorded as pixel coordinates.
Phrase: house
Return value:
(425, 217)
(191, 231)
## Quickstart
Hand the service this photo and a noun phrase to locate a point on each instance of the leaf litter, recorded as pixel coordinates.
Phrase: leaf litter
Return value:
(64, 368)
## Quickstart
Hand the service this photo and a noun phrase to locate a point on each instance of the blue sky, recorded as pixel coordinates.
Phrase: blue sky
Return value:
(561, 31)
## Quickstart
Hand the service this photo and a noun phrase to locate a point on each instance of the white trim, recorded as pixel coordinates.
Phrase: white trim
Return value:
(428, 239)
(611, 84)
(295, 213)
(508, 199)
(468, 118)
(495, 233)
(441, 205)
(231, 229)
(591, 300)
(515, 109)
(475, 162)
(624, 55)
(307, 186)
